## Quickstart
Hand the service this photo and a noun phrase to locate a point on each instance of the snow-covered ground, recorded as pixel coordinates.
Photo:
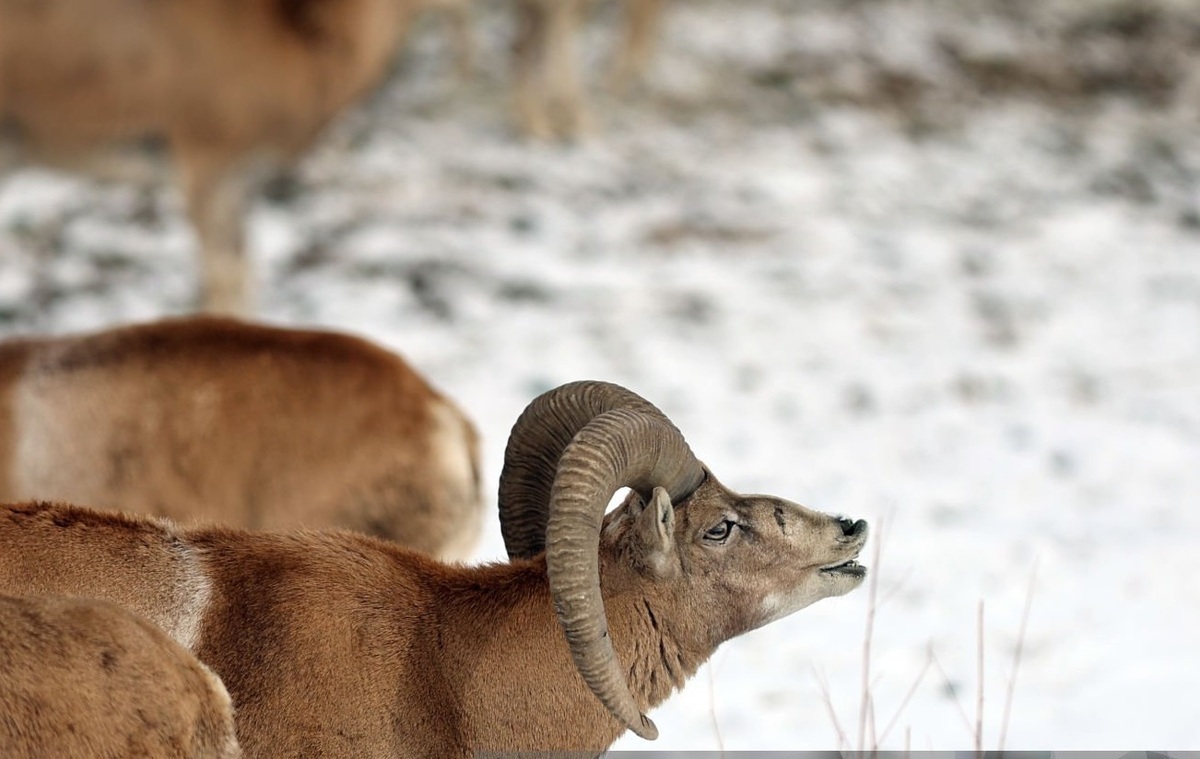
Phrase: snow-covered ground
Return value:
(933, 264)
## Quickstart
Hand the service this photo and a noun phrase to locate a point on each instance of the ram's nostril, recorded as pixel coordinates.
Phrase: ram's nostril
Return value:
(850, 528)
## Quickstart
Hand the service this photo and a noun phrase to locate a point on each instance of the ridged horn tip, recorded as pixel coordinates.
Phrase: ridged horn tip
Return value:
(647, 729)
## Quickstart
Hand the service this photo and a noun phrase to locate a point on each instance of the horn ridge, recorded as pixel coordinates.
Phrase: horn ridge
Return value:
(535, 445)
(620, 448)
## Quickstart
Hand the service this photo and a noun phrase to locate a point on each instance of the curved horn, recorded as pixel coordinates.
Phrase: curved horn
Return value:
(536, 443)
(619, 448)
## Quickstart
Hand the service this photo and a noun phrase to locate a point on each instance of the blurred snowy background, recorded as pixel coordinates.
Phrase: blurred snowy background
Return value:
(933, 263)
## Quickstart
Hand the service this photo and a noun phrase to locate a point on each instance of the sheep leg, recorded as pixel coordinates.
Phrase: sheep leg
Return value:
(642, 25)
(216, 191)
(561, 67)
(459, 19)
(547, 90)
(528, 50)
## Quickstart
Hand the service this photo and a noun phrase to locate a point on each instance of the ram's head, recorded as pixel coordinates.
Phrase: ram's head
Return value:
(742, 561)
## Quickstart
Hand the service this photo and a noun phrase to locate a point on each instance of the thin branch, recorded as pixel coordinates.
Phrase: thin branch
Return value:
(907, 697)
(1012, 677)
(979, 685)
(712, 709)
(950, 687)
(827, 699)
(872, 592)
(896, 588)
(871, 742)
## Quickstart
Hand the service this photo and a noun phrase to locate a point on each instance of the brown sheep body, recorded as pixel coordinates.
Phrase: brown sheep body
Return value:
(211, 419)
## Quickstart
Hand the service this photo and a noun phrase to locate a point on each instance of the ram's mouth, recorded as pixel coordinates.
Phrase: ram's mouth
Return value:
(849, 568)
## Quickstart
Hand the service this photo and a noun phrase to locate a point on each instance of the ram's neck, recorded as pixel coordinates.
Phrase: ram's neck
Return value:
(506, 655)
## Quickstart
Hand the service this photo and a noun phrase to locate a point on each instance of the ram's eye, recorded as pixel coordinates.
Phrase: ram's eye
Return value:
(720, 532)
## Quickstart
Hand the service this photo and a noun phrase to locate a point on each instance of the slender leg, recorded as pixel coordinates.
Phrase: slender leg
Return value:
(548, 93)
(458, 15)
(528, 54)
(642, 25)
(216, 192)
(561, 68)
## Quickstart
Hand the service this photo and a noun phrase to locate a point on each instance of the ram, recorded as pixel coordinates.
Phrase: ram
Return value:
(227, 92)
(338, 644)
(86, 679)
(213, 419)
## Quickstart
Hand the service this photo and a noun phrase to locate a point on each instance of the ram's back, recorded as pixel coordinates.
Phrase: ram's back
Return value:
(142, 565)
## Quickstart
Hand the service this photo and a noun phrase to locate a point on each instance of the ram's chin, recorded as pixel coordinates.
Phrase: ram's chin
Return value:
(843, 578)
(823, 584)
(779, 605)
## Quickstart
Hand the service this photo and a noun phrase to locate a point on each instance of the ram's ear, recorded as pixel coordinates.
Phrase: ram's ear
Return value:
(655, 528)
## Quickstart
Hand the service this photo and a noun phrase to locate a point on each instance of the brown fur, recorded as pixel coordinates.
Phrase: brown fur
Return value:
(210, 419)
(337, 644)
(85, 679)
(234, 88)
